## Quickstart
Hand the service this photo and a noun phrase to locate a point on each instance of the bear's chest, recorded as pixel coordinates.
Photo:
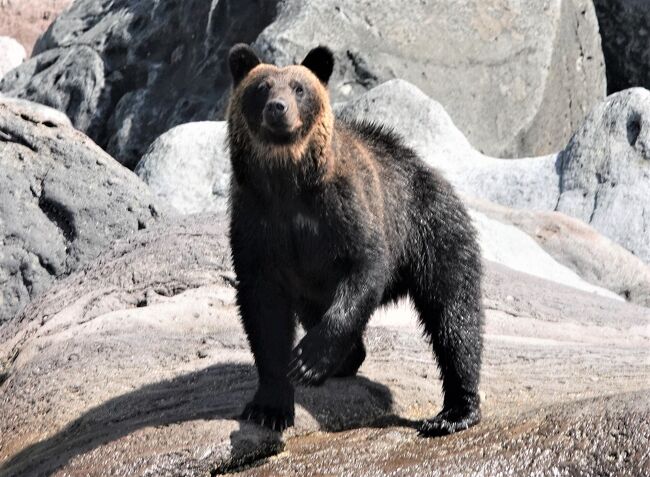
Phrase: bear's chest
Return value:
(304, 253)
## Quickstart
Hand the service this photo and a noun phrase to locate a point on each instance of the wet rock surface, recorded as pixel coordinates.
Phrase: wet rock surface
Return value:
(137, 364)
(62, 201)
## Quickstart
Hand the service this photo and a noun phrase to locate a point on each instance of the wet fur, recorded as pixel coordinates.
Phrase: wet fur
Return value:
(332, 226)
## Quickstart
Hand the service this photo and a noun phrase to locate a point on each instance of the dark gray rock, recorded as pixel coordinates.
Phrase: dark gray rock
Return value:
(516, 77)
(62, 201)
(625, 32)
(139, 68)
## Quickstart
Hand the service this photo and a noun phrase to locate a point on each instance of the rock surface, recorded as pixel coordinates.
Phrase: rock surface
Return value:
(62, 201)
(574, 244)
(602, 176)
(517, 77)
(137, 365)
(26, 20)
(12, 54)
(189, 168)
(506, 245)
(625, 29)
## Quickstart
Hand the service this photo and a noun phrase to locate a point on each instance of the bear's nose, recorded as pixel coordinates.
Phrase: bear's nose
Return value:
(276, 108)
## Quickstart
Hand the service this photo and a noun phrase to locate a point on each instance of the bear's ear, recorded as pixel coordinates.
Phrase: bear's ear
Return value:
(241, 59)
(320, 61)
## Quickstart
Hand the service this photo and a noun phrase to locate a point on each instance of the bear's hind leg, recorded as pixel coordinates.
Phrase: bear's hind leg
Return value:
(454, 328)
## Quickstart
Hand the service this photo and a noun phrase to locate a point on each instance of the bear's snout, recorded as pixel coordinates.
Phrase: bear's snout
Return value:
(275, 110)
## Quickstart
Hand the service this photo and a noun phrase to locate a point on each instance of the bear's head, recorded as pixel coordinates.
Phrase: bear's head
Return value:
(280, 112)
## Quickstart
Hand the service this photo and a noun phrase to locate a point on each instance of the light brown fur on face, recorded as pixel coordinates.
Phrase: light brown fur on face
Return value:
(317, 139)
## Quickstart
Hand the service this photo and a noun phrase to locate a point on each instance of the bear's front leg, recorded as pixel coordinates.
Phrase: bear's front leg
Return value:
(325, 346)
(269, 324)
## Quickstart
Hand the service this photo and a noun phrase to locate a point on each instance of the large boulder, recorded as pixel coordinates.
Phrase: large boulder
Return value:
(188, 167)
(137, 364)
(26, 20)
(119, 61)
(12, 54)
(602, 176)
(625, 28)
(62, 201)
(517, 77)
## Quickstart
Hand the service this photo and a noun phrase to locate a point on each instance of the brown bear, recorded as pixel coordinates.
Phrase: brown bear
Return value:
(330, 219)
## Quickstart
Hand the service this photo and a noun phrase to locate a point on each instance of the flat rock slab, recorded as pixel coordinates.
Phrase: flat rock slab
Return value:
(137, 364)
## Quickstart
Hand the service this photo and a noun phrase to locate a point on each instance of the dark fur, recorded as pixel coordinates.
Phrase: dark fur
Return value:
(355, 221)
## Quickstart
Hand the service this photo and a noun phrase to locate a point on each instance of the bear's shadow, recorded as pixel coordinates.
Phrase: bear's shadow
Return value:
(217, 392)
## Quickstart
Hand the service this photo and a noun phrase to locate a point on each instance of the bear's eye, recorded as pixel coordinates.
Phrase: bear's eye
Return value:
(299, 90)
(264, 86)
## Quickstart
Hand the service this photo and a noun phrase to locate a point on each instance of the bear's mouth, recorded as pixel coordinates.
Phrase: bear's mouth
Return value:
(280, 134)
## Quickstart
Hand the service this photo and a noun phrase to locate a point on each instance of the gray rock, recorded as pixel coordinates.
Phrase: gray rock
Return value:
(189, 168)
(62, 201)
(516, 77)
(119, 60)
(12, 54)
(571, 242)
(147, 368)
(625, 30)
(605, 171)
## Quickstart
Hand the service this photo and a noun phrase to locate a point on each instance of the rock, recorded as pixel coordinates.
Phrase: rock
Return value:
(70, 80)
(508, 246)
(62, 201)
(189, 168)
(605, 171)
(574, 244)
(602, 176)
(139, 79)
(147, 368)
(517, 77)
(624, 28)
(25, 20)
(12, 54)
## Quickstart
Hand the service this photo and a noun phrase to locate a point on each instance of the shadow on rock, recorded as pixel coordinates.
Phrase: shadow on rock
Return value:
(217, 392)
